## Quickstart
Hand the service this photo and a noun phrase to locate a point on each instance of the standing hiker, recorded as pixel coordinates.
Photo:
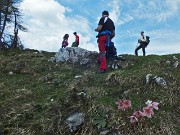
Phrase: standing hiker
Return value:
(76, 43)
(142, 44)
(106, 31)
(65, 41)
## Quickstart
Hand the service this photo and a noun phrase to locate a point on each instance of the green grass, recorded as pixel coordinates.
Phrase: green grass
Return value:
(38, 97)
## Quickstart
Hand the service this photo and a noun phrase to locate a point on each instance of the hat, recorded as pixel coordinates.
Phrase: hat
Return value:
(74, 33)
(105, 13)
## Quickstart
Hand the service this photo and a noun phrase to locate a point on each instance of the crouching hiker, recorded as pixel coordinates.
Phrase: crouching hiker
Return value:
(76, 42)
(142, 44)
(65, 41)
(111, 52)
(106, 31)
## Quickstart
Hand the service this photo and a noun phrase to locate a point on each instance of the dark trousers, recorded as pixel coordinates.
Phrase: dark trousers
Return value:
(143, 46)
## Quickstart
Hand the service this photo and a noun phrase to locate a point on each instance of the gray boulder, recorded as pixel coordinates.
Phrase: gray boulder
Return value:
(160, 81)
(75, 121)
(75, 55)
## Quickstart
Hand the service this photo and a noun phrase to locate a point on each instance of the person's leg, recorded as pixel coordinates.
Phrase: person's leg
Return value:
(73, 44)
(136, 50)
(143, 48)
(102, 52)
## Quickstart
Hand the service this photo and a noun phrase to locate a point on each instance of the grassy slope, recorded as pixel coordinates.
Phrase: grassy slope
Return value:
(26, 105)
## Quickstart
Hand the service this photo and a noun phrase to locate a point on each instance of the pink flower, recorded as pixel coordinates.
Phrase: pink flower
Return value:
(126, 104)
(149, 103)
(120, 105)
(148, 111)
(155, 105)
(133, 119)
(138, 114)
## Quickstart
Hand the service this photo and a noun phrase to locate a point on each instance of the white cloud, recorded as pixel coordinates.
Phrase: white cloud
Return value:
(153, 10)
(125, 19)
(47, 24)
(164, 42)
(160, 48)
(115, 12)
(174, 4)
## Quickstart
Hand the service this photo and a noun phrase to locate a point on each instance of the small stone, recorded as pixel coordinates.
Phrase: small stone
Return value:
(10, 73)
(81, 93)
(78, 76)
(148, 78)
(40, 51)
(112, 66)
(52, 59)
(103, 131)
(116, 67)
(168, 62)
(176, 64)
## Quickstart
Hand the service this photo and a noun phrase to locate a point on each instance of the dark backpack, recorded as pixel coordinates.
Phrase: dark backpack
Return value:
(111, 52)
(147, 39)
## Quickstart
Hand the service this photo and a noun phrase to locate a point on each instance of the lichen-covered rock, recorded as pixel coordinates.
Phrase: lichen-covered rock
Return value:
(148, 78)
(175, 58)
(75, 55)
(160, 81)
(75, 121)
(176, 64)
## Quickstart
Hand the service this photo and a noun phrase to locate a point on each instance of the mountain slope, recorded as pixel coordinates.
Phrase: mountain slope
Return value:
(37, 96)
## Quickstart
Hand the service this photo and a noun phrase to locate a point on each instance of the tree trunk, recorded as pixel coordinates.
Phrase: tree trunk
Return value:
(15, 32)
(5, 19)
(0, 29)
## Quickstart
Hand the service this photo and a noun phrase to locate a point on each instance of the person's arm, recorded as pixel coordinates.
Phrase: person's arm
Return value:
(100, 25)
(99, 28)
(113, 34)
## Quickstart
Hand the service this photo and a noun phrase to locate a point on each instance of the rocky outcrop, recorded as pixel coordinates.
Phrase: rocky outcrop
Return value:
(75, 55)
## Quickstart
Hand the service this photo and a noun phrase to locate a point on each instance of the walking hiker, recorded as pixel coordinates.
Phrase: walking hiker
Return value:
(143, 43)
(76, 43)
(65, 41)
(106, 31)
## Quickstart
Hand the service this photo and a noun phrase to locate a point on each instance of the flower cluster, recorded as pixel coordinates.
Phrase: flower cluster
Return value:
(147, 111)
(123, 105)
(138, 115)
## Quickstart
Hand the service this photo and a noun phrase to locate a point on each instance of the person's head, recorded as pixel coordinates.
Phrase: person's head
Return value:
(142, 32)
(105, 13)
(75, 33)
(66, 36)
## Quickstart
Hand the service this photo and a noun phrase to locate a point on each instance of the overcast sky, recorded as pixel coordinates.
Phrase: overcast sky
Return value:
(48, 20)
